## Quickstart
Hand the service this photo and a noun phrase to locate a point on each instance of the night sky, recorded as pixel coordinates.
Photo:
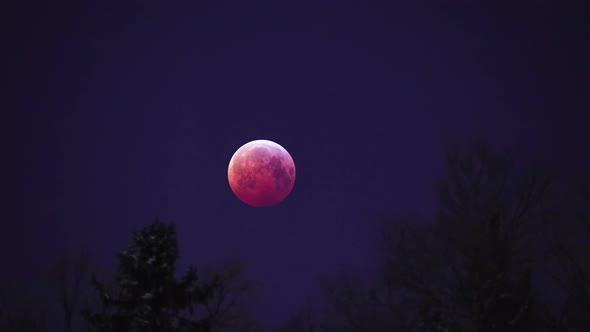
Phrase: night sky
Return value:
(119, 113)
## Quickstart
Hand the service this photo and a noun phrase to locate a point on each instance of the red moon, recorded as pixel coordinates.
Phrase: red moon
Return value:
(261, 173)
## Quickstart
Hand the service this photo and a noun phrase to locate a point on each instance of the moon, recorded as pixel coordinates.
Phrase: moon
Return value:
(261, 173)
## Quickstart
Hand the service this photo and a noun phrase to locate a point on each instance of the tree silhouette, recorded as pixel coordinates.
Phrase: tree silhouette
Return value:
(355, 306)
(149, 297)
(304, 320)
(490, 211)
(69, 279)
(228, 308)
(570, 245)
(469, 269)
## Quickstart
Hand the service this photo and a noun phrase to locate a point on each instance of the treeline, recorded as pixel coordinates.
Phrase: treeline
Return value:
(143, 295)
(508, 250)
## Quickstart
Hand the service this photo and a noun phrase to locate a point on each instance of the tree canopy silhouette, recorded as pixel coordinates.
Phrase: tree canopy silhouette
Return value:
(471, 268)
(69, 278)
(149, 298)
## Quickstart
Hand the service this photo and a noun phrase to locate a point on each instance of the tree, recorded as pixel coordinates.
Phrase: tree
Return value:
(353, 305)
(303, 321)
(570, 245)
(228, 307)
(471, 268)
(490, 211)
(149, 297)
(69, 278)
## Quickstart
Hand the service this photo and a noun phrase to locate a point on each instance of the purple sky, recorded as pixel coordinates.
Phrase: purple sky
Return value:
(121, 113)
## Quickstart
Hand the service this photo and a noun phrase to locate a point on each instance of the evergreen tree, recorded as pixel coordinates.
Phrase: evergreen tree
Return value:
(149, 297)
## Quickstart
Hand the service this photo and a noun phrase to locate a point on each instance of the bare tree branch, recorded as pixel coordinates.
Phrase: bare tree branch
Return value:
(228, 308)
(70, 279)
